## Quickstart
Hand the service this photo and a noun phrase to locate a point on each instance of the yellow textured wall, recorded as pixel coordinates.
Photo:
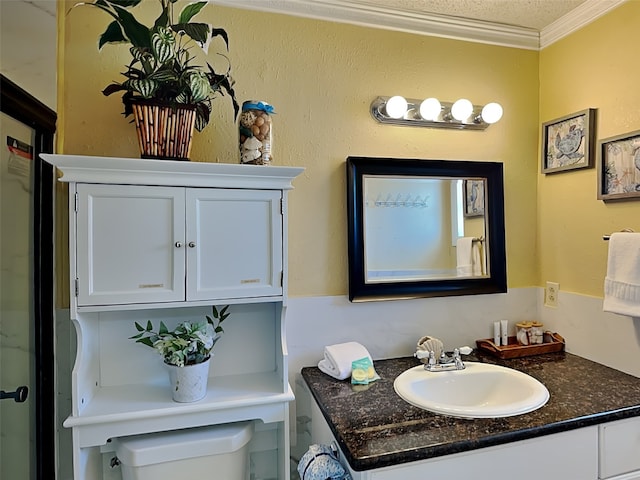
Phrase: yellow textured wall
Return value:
(321, 78)
(596, 67)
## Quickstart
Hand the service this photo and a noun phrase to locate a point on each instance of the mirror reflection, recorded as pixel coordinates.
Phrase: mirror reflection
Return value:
(424, 228)
(418, 228)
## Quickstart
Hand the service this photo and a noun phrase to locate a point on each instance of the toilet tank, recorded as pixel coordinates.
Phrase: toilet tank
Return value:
(189, 453)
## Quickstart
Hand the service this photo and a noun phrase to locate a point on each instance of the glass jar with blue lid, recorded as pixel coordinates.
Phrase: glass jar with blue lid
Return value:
(256, 133)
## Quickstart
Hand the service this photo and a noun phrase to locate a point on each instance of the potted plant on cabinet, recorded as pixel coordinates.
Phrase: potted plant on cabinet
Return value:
(186, 350)
(164, 89)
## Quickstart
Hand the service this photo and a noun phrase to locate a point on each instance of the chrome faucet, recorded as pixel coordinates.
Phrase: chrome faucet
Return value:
(444, 363)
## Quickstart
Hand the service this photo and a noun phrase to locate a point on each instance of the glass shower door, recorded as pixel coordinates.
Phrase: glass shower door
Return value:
(17, 357)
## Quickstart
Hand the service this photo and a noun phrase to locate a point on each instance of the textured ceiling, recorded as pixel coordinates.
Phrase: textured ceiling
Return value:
(534, 14)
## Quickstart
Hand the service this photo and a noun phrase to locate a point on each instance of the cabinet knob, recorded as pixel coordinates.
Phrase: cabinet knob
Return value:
(178, 244)
(192, 244)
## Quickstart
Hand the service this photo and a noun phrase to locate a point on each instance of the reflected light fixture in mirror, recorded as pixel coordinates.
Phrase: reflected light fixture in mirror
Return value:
(460, 115)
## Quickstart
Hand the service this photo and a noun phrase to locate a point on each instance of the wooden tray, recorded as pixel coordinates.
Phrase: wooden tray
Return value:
(553, 342)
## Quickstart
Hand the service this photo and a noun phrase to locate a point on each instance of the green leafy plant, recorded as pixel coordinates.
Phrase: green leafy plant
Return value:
(162, 69)
(189, 343)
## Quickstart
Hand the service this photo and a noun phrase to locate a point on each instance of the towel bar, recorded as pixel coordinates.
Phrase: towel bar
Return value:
(625, 230)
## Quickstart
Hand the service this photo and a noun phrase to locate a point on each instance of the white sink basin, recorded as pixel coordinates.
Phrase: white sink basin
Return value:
(481, 390)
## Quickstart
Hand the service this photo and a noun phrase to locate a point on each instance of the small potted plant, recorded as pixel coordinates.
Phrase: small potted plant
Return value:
(162, 82)
(186, 350)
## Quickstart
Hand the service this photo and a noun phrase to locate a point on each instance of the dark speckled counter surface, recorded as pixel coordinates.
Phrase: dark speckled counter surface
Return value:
(376, 428)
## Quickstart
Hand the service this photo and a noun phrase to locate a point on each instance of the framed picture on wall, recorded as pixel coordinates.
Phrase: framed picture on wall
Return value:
(474, 198)
(568, 142)
(619, 167)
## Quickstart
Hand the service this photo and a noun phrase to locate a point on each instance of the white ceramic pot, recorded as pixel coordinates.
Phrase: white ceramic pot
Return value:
(189, 383)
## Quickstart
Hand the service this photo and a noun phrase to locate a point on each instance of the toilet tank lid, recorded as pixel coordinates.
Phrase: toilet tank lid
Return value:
(160, 447)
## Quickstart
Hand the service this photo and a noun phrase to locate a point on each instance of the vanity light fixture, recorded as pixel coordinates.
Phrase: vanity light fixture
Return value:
(430, 109)
(396, 107)
(459, 115)
(461, 109)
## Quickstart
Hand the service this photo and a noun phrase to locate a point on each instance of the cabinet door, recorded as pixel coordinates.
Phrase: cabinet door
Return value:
(619, 447)
(234, 243)
(130, 244)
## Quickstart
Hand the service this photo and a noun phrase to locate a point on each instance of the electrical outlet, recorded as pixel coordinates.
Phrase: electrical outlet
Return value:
(551, 294)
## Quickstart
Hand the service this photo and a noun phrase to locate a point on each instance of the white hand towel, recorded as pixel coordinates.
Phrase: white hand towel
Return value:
(477, 261)
(464, 249)
(337, 359)
(622, 283)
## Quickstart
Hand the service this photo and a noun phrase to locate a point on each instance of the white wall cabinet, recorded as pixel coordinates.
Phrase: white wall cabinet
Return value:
(147, 244)
(164, 241)
(125, 244)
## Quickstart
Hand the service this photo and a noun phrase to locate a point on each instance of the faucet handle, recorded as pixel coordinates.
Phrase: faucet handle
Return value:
(432, 357)
(458, 361)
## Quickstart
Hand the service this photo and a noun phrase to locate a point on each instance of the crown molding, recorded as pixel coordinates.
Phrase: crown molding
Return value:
(359, 12)
(576, 19)
(363, 14)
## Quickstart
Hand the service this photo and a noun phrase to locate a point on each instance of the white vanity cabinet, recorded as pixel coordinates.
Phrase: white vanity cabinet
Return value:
(531, 459)
(165, 241)
(608, 451)
(146, 244)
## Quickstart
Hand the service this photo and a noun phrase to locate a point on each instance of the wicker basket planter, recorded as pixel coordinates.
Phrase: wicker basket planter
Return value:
(164, 132)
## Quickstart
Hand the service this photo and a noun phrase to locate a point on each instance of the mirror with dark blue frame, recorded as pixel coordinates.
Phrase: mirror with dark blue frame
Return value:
(424, 228)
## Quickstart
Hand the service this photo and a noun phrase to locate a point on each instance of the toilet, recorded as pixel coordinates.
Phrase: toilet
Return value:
(189, 453)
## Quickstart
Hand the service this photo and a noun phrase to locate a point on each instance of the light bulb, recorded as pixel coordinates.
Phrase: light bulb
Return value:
(461, 109)
(396, 107)
(430, 109)
(492, 112)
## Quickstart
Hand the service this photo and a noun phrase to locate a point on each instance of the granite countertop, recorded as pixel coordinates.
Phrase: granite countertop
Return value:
(376, 428)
